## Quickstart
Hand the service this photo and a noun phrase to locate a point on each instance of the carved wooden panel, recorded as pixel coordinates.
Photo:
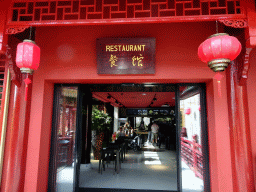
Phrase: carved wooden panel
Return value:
(88, 10)
(2, 79)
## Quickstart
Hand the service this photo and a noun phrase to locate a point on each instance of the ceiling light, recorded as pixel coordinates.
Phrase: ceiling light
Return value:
(166, 105)
(149, 84)
(143, 94)
(127, 84)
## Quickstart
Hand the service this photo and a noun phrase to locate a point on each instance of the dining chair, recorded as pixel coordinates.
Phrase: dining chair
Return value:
(122, 152)
(107, 156)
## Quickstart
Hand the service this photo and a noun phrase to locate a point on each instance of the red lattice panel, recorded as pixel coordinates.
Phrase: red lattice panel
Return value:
(89, 10)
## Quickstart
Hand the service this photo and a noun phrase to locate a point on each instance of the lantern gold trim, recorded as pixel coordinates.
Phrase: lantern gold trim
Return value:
(218, 34)
(30, 41)
(26, 70)
(219, 64)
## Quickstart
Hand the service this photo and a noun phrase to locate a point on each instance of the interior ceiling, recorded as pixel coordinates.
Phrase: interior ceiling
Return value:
(136, 99)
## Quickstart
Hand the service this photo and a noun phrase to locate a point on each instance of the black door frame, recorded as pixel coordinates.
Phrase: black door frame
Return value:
(200, 88)
(53, 148)
(78, 144)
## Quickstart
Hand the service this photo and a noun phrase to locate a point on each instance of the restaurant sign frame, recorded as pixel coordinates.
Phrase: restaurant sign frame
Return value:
(126, 56)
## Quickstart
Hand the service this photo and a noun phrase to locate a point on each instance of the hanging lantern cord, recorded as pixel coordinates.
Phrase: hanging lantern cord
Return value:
(217, 30)
(30, 32)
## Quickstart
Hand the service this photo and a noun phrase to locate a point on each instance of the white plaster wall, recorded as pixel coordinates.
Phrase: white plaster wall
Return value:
(115, 119)
(193, 120)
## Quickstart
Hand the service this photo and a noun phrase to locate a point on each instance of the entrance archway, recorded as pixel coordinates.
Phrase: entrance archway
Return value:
(99, 91)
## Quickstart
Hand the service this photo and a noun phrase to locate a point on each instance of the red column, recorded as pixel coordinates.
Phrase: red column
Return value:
(17, 139)
(240, 139)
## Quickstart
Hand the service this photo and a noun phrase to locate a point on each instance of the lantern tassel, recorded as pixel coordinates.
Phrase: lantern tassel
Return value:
(27, 82)
(218, 77)
(219, 88)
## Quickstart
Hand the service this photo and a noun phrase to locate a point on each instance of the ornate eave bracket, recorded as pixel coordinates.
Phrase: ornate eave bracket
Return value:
(235, 23)
(14, 70)
(15, 29)
(250, 37)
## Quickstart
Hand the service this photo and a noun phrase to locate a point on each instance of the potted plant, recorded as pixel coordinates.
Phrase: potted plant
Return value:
(100, 122)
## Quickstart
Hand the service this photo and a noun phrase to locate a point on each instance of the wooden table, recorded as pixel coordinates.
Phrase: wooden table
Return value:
(142, 132)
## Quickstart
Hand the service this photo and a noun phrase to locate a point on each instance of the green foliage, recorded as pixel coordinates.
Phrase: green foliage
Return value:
(100, 120)
(167, 119)
(70, 100)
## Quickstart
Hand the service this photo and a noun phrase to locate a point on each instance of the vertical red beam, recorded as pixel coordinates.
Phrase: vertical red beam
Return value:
(240, 139)
(5, 5)
(16, 143)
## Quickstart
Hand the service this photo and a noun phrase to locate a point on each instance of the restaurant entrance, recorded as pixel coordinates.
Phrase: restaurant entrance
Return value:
(177, 159)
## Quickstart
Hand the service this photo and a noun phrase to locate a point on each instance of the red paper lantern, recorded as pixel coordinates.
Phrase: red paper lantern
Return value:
(28, 56)
(187, 111)
(219, 50)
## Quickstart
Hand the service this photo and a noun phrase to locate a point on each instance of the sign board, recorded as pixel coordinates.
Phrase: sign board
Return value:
(126, 55)
(151, 112)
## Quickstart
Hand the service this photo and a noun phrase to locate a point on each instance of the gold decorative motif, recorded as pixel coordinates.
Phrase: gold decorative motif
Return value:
(246, 63)
(235, 23)
(16, 29)
(243, 69)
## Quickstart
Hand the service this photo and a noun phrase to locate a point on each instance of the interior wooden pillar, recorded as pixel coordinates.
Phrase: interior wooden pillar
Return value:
(86, 125)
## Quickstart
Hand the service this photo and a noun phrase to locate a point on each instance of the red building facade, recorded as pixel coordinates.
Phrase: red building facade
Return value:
(66, 32)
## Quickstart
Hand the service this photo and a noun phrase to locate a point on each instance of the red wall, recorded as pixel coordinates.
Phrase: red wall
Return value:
(68, 55)
(251, 85)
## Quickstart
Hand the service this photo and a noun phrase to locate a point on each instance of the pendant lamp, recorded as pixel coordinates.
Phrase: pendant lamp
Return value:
(28, 56)
(27, 59)
(219, 50)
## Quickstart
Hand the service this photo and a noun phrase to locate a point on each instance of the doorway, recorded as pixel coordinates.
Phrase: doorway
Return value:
(166, 164)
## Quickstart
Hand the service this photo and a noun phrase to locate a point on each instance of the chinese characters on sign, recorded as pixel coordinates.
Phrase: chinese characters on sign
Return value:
(126, 56)
(139, 59)
(113, 60)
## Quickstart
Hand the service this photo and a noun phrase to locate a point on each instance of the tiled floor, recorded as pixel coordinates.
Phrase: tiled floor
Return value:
(151, 168)
(190, 183)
